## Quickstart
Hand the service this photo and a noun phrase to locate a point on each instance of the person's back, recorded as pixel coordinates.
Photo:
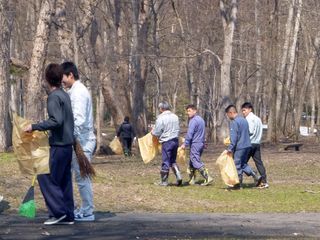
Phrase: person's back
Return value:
(167, 126)
(255, 128)
(239, 133)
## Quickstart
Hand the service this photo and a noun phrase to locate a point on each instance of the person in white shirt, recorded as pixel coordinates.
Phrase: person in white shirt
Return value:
(255, 132)
(81, 102)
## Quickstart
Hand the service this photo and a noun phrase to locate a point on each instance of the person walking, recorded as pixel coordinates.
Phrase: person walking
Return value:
(56, 187)
(84, 133)
(126, 135)
(167, 131)
(195, 139)
(255, 132)
(240, 144)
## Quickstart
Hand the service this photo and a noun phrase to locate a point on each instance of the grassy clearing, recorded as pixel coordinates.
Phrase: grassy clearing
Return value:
(126, 184)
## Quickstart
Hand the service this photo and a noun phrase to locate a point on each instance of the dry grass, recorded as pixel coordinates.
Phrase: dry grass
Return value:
(127, 184)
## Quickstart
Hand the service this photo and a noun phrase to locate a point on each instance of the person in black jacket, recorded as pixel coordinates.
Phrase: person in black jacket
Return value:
(126, 134)
(56, 187)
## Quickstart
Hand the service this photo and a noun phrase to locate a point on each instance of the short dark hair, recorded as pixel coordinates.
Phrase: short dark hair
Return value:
(126, 119)
(54, 74)
(231, 106)
(247, 105)
(192, 106)
(70, 67)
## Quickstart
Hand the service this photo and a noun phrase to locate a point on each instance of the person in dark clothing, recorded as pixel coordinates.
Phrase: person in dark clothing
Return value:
(126, 134)
(56, 187)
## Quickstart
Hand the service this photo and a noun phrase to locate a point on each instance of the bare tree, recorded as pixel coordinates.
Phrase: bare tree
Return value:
(5, 31)
(34, 101)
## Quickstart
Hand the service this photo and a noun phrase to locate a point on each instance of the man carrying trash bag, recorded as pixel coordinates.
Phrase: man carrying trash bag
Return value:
(240, 144)
(167, 130)
(56, 187)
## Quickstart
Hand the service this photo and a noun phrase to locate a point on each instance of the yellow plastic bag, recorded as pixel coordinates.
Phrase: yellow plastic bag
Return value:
(228, 169)
(116, 146)
(227, 141)
(149, 147)
(181, 156)
(31, 149)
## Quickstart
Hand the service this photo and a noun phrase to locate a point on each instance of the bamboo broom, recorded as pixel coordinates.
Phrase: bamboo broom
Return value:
(86, 168)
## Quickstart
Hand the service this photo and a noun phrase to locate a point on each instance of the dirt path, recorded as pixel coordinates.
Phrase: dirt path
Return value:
(168, 226)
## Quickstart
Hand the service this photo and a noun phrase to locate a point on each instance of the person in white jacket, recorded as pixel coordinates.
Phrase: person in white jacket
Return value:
(81, 102)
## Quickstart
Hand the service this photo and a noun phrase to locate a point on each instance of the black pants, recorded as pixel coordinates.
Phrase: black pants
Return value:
(255, 153)
(56, 187)
(126, 143)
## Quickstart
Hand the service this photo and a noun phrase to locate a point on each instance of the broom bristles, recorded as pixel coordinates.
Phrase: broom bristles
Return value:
(86, 168)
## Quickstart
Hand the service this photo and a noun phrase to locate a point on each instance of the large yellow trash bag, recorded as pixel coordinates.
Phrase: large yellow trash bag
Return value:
(181, 156)
(116, 146)
(31, 149)
(228, 169)
(149, 147)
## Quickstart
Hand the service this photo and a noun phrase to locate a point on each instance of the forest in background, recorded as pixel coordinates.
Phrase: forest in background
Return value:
(132, 54)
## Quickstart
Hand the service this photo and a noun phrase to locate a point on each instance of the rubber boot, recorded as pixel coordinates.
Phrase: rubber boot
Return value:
(257, 179)
(176, 172)
(163, 178)
(192, 175)
(205, 174)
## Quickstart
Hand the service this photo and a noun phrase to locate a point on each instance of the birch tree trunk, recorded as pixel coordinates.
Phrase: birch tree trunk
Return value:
(34, 96)
(287, 105)
(228, 10)
(310, 67)
(258, 98)
(281, 71)
(5, 32)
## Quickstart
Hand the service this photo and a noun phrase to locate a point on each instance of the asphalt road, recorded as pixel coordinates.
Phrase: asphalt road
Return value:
(167, 226)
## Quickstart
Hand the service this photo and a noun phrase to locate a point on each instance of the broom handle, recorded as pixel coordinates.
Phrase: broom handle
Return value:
(33, 180)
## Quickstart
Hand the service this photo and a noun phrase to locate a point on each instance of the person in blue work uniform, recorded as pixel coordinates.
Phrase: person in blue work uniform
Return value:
(240, 144)
(56, 187)
(255, 131)
(167, 131)
(126, 134)
(82, 109)
(195, 139)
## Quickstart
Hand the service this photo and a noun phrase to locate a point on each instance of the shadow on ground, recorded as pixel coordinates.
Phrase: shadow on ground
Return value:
(166, 226)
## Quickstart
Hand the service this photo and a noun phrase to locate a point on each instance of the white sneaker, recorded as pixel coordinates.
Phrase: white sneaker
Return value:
(53, 220)
(84, 218)
(263, 186)
(1, 198)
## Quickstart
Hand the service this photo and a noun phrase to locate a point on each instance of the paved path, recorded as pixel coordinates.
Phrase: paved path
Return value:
(167, 226)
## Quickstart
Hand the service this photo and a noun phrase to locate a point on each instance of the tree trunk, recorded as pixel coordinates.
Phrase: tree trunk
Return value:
(310, 67)
(274, 25)
(229, 16)
(5, 32)
(34, 95)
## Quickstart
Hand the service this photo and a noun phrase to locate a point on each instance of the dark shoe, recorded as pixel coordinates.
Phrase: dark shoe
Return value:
(53, 220)
(176, 172)
(257, 179)
(65, 222)
(263, 186)
(164, 178)
(235, 187)
(207, 178)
